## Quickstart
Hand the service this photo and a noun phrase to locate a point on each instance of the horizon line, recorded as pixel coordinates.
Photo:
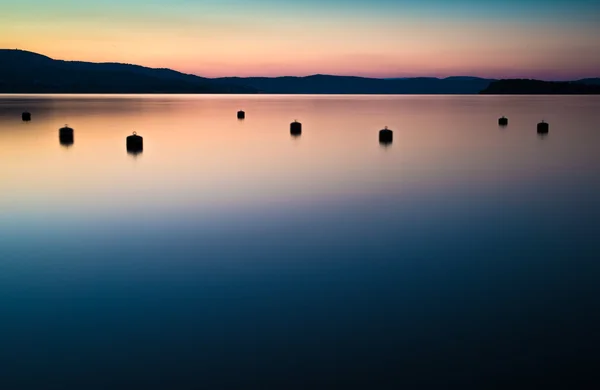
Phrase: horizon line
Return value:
(312, 74)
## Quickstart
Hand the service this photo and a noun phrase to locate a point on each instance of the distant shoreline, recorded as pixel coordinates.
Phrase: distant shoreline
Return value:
(537, 87)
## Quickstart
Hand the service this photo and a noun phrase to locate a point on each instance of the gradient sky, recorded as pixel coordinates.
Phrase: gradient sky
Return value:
(553, 40)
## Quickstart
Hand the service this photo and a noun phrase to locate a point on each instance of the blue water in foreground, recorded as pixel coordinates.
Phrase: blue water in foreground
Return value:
(231, 255)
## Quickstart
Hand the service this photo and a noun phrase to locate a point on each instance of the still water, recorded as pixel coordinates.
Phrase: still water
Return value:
(230, 254)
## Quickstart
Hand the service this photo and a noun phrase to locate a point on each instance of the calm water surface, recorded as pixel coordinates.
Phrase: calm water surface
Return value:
(231, 255)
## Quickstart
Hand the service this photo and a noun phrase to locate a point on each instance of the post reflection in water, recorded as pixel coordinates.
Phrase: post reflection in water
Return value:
(385, 144)
(231, 249)
(134, 152)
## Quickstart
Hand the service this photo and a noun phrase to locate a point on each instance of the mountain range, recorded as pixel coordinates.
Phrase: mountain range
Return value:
(27, 72)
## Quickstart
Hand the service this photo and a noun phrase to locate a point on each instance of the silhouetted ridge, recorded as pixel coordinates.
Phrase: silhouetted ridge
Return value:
(26, 72)
(534, 87)
(27, 57)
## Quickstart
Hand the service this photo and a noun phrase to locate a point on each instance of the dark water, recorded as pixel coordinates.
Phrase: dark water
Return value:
(232, 255)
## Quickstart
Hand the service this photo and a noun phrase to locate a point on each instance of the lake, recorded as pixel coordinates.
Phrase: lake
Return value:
(230, 254)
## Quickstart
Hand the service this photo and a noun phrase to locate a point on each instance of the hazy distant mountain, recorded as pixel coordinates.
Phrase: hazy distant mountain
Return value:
(26, 72)
(537, 87)
(324, 84)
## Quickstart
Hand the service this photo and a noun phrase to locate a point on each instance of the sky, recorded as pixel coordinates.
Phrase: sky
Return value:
(550, 40)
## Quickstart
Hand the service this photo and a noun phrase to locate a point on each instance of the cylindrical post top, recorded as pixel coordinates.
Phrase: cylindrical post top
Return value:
(135, 142)
(386, 136)
(66, 130)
